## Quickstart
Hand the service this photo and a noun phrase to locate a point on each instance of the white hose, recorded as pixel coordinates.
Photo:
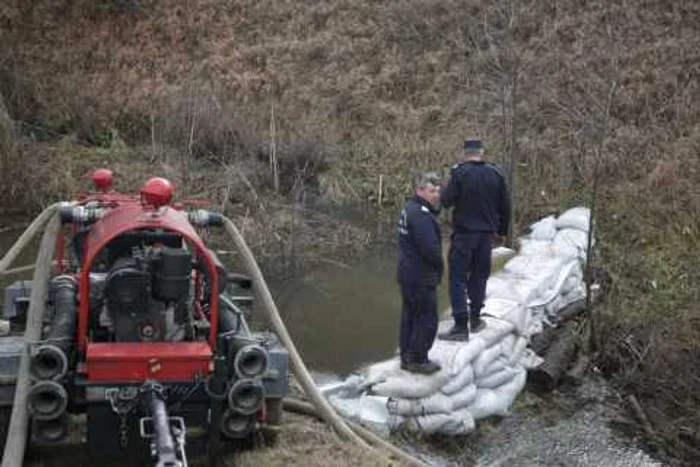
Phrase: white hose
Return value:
(298, 366)
(17, 432)
(28, 235)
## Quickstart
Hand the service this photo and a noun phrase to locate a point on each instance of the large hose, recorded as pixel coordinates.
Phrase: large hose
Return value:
(298, 366)
(304, 408)
(28, 235)
(50, 360)
(17, 432)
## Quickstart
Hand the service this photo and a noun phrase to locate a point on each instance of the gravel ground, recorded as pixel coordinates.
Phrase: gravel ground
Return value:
(569, 427)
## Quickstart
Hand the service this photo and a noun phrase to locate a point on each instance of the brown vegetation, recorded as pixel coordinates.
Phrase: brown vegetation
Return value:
(331, 94)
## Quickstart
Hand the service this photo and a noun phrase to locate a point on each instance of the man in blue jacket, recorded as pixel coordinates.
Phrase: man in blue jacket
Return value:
(478, 192)
(419, 271)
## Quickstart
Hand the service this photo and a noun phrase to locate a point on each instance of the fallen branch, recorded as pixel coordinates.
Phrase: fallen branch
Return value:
(639, 413)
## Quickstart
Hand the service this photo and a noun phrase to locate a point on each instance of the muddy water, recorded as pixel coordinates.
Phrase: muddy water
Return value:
(344, 315)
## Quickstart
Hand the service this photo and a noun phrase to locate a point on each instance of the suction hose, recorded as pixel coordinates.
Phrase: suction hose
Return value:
(50, 360)
(28, 235)
(17, 432)
(298, 366)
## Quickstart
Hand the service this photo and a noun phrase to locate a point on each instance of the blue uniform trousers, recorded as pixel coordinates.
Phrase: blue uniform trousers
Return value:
(419, 321)
(470, 267)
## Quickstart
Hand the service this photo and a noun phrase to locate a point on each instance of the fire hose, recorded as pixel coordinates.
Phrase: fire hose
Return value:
(298, 366)
(17, 432)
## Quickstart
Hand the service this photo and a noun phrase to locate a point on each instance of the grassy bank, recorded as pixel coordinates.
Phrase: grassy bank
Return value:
(261, 104)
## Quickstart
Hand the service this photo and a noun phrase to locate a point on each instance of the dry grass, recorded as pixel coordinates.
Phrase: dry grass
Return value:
(363, 88)
(304, 442)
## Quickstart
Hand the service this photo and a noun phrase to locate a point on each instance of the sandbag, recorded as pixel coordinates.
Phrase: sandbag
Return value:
(411, 385)
(517, 351)
(496, 379)
(511, 287)
(496, 329)
(575, 218)
(515, 314)
(489, 402)
(437, 403)
(497, 365)
(462, 379)
(544, 229)
(469, 352)
(485, 359)
(459, 422)
(486, 404)
(570, 243)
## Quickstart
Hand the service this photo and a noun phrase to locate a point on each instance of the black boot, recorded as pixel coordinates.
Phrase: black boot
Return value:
(459, 332)
(425, 368)
(476, 324)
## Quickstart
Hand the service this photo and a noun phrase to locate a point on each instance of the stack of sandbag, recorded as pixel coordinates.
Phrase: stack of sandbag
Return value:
(481, 377)
(547, 273)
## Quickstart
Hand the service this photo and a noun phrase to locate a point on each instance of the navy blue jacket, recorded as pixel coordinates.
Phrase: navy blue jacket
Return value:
(480, 197)
(420, 245)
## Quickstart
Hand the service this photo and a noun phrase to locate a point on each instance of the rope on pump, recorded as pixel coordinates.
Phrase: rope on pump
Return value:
(298, 366)
(17, 432)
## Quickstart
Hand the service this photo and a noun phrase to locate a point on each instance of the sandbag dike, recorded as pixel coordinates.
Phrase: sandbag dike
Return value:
(482, 377)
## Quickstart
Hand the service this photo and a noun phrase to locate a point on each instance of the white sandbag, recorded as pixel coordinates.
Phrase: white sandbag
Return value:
(507, 344)
(497, 379)
(511, 287)
(542, 248)
(463, 397)
(497, 365)
(459, 422)
(554, 284)
(571, 243)
(485, 359)
(501, 252)
(371, 411)
(445, 353)
(496, 329)
(411, 385)
(462, 379)
(437, 403)
(469, 352)
(515, 314)
(497, 401)
(510, 390)
(378, 372)
(517, 351)
(575, 218)
(544, 229)
(486, 404)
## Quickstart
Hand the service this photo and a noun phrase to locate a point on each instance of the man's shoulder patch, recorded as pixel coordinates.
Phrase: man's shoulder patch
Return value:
(424, 209)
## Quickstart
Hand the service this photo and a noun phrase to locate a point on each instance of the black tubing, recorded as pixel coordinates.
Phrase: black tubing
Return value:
(47, 400)
(50, 360)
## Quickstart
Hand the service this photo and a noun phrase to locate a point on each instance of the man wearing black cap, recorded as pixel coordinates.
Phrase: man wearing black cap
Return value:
(478, 192)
